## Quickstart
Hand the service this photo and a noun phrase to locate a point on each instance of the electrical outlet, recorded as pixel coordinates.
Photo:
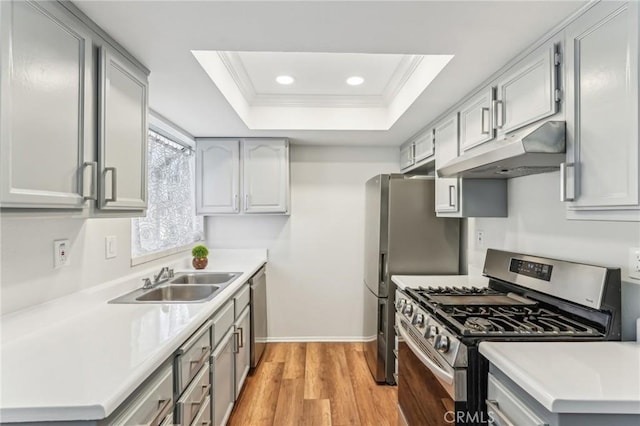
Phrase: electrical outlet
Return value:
(110, 247)
(479, 239)
(634, 263)
(61, 253)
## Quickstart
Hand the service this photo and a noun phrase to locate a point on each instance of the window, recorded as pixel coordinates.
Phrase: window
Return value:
(171, 224)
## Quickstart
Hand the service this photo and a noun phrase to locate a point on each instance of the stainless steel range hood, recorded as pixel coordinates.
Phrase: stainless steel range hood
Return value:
(535, 150)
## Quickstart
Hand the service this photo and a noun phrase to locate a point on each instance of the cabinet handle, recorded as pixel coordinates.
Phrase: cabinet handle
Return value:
(161, 414)
(93, 195)
(563, 182)
(241, 339)
(246, 201)
(235, 202)
(114, 183)
(498, 113)
(200, 361)
(452, 196)
(485, 112)
(236, 335)
(205, 394)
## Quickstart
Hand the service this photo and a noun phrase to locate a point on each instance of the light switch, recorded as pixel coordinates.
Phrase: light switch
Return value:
(634, 263)
(110, 247)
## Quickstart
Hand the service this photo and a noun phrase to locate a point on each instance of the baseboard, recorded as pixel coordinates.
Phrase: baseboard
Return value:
(318, 339)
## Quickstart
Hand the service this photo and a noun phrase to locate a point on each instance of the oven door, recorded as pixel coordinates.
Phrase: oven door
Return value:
(426, 383)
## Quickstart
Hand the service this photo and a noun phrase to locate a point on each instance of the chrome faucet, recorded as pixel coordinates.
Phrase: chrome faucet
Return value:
(165, 274)
(147, 284)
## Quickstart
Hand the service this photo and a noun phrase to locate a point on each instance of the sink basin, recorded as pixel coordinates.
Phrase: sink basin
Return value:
(206, 278)
(179, 293)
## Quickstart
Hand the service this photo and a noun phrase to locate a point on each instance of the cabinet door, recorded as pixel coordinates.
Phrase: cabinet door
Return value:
(602, 110)
(406, 156)
(122, 134)
(45, 61)
(446, 138)
(527, 93)
(217, 176)
(265, 175)
(476, 121)
(423, 146)
(243, 359)
(223, 380)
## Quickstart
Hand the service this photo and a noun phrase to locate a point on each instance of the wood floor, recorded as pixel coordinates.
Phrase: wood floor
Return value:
(314, 384)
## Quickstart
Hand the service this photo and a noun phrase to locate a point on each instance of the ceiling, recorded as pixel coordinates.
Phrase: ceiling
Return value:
(482, 36)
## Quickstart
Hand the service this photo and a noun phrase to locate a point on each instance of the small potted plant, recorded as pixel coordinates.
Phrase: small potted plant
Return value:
(200, 254)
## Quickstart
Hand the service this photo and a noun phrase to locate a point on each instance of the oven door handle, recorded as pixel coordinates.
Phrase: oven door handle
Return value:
(435, 369)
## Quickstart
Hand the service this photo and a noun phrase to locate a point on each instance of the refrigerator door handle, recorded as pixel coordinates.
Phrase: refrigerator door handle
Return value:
(382, 268)
(380, 318)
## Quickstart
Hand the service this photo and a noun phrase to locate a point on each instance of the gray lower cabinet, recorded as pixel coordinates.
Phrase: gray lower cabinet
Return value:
(223, 379)
(242, 328)
(601, 177)
(45, 61)
(122, 134)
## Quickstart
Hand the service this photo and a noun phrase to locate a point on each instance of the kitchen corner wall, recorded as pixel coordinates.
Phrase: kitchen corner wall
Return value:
(315, 270)
(28, 276)
(537, 225)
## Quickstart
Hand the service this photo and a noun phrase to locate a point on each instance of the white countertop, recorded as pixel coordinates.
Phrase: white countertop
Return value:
(414, 281)
(78, 357)
(573, 377)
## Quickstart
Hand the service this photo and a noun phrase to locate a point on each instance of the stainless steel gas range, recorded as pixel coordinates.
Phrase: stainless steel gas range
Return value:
(442, 378)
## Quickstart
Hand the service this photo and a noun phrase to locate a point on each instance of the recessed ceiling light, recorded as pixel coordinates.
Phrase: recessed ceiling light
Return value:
(285, 79)
(355, 80)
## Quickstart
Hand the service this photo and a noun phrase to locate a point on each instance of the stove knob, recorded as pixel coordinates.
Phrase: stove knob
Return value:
(408, 309)
(400, 304)
(442, 344)
(418, 320)
(432, 332)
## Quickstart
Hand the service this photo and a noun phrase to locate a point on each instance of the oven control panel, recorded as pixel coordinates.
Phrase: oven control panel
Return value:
(537, 270)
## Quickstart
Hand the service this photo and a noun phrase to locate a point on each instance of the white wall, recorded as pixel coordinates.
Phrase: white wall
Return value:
(537, 225)
(26, 253)
(315, 269)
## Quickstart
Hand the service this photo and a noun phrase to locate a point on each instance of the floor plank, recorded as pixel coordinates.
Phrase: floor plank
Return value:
(314, 384)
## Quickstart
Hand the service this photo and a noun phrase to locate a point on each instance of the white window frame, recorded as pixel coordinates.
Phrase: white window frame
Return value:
(165, 128)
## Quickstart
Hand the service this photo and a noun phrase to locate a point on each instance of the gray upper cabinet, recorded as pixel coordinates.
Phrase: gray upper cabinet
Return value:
(242, 176)
(406, 155)
(45, 61)
(122, 135)
(217, 176)
(423, 146)
(446, 136)
(265, 175)
(476, 120)
(601, 174)
(527, 92)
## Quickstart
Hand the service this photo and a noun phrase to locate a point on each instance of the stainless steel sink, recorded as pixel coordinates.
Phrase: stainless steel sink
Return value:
(179, 293)
(206, 278)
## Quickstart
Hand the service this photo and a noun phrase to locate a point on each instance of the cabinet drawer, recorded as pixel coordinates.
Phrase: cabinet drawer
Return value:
(195, 397)
(204, 415)
(192, 356)
(506, 407)
(242, 299)
(153, 403)
(222, 321)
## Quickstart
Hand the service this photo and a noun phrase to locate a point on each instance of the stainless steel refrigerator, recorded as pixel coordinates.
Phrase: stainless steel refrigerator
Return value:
(403, 236)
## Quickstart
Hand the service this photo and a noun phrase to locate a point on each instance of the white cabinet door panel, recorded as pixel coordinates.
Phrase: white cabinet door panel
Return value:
(223, 380)
(527, 94)
(243, 359)
(602, 120)
(476, 121)
(45, 83)
(123, 134)
(406, 156)
(446, 137)
(423, 146)
(265, 175)
(217, 176)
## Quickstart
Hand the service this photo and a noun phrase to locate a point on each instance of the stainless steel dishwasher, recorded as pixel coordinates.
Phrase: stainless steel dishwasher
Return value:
(258, 315)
